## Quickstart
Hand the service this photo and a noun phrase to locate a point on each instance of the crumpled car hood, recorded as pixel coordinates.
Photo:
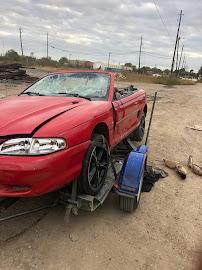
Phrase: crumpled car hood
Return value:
(25, 114)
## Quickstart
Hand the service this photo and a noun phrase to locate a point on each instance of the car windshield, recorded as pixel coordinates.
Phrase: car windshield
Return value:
(81, 84)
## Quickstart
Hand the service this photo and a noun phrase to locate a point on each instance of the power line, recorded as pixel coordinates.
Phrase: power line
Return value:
(59, 49)
(176, 6)
(156, 55)
(97, 54)
(102, 54)
(143, 52)
(77, 52)
(147, 53)
(123, 54)
(158, 12)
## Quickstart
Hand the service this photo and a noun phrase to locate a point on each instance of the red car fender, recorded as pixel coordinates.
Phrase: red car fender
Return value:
(82, 122)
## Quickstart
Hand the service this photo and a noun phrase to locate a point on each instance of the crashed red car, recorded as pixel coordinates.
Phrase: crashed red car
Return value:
(62, 128)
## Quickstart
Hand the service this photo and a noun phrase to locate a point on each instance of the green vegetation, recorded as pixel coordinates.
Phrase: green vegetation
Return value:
(12, 56)
(148, 70)
(166, 80)
(142, 75)
(173, 81)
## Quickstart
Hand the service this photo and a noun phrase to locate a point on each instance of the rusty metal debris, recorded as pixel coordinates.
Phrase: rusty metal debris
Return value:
(195, 127)
(177, 167)
(181, 170)
(14, 72)
(170, 164)
(194, 167)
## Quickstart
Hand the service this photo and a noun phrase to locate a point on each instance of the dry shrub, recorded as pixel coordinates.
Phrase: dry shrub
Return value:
(173, 81)
(165, 80)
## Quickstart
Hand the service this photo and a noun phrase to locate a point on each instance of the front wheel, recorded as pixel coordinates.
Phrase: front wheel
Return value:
(138, 134)
(95, 165)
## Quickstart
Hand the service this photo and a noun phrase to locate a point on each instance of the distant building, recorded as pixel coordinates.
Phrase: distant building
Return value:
(99, 65)
(81, 63)
(126, 68)
(111, 67)
(87, 64)
(114, 68)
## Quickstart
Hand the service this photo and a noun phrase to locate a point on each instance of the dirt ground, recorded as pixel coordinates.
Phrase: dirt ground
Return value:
(163, 234)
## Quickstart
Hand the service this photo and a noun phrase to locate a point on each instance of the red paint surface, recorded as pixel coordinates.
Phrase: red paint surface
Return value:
(27, 176)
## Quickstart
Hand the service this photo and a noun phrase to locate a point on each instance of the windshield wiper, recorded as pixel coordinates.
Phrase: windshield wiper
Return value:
(74, 95)
(32, 94)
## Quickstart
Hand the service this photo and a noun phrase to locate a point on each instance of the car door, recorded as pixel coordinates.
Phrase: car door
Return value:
(132, 110)
(118, 110)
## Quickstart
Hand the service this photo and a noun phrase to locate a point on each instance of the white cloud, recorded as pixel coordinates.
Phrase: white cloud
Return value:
(194, 55)
(23, 1)
(90, 29)
(77, 39)
(149, 5)
(4, 33)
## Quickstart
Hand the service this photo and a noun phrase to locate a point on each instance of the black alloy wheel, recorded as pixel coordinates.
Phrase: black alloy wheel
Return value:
(95, 165)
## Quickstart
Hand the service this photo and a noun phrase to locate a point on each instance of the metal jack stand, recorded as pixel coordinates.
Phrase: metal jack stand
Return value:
(73, 200)
(72, 204)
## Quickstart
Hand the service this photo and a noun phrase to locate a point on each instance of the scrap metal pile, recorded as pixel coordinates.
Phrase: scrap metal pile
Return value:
(13, 72)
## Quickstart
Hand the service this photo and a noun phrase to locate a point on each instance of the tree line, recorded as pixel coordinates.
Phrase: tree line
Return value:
(13, 56)
(154, 70)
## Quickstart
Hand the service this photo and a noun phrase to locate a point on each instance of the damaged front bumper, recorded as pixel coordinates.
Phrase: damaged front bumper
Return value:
(28, 176)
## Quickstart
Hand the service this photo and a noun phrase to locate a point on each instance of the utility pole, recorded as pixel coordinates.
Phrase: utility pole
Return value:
(183, 63)
(178, 44)
(108, 59)
(47, 45)
(181, 57)
(20, 29)
(3, 46)
(140, 52)
(177, 36)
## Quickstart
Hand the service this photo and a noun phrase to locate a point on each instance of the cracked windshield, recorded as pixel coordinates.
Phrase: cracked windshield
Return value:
(89, 85)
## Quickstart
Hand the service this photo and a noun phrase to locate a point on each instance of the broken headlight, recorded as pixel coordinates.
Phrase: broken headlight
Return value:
(32, 146)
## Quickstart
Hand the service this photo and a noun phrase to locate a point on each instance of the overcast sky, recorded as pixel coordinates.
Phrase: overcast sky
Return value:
(89, 29)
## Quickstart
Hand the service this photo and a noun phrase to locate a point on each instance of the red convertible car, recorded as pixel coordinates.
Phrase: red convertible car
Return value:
(63, 127)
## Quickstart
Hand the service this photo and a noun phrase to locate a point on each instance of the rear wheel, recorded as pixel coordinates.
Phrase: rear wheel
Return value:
(95, 165)
(138, 134)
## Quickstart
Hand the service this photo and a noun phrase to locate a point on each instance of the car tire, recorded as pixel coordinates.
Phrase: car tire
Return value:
(95, 165)
(138, 133)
